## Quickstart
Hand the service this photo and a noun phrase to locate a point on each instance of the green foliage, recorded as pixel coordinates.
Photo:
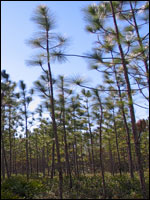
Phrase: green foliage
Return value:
(16, 187)
(90, 187)
(122, 187)
(84, 187)
(9, 195)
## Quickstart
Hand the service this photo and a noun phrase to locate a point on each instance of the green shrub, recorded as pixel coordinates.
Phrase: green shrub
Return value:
(84, 187)
(9, 195)
(19, 186)
(122, 187)
(15, 185)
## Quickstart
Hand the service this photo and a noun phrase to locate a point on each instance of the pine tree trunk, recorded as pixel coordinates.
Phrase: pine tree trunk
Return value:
(10, 143)
(3, 148)
(145, 59)
(43, 160)
(117, 144)
(131, 108)
(76, 156)
(47, 157)
(53, 160)
(82, 158)
(91, 138)
(30, 155)
(111, 158)
(3, 163)
(53, 120)
(101, 159)
(37, 157)
(126, 126)
(75, 145)
(27, 154)
(90, 160)
(65, 137)
(100, 145)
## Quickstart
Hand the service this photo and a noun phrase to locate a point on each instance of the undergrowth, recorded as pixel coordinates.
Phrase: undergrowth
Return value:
(84, 187)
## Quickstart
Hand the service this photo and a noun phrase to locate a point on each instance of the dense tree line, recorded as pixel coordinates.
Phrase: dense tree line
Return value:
(90, 130)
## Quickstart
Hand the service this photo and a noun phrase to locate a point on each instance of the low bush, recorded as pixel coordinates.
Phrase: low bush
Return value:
(83, 187)
(18, 186)
(9, 195)
(122, 187)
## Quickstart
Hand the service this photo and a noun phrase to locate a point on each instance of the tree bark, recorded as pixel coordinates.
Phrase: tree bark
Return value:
(126, 126)
(131, 108)
(10, 142)
(53, 119)
(65, 138)
(111, 158)
(100, 145)
(91, 138)
(26, 132)
(53, 160)
(117, 144)
(145, 59)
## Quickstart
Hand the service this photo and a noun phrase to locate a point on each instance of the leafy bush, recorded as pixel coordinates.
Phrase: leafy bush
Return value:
(19, 186)
(84, 187)
(122, 187)
(117, 187)
(9, 195)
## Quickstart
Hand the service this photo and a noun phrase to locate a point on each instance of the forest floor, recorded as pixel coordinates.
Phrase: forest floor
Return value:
(84, 187)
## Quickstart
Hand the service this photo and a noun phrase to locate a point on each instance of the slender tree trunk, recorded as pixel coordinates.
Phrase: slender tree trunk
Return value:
(76, 156)
(91, 138)
(43, 160)
(126, 125)
(53, 160)
(3, 162)
(90, 159)
(111, 158)
(75, 145)
(10, 143)
(47, 156)
(66, 153)
(27, 148)
(100, 145)
(30, 155)
(14, 156)
(4, 154)
(74, 159)
(124, 159)
(130, 160)
(145, 59)
(16, 169)
(101, 159)
(82, 158)
(37, 157)
(133, 121)
(65, 137)
(54, 121)
(117, 144)
(3, 148)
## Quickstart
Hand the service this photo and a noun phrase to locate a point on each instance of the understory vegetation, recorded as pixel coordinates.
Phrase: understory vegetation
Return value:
(84, 187)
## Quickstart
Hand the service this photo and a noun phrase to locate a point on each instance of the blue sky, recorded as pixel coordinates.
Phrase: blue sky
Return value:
(17, 28)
